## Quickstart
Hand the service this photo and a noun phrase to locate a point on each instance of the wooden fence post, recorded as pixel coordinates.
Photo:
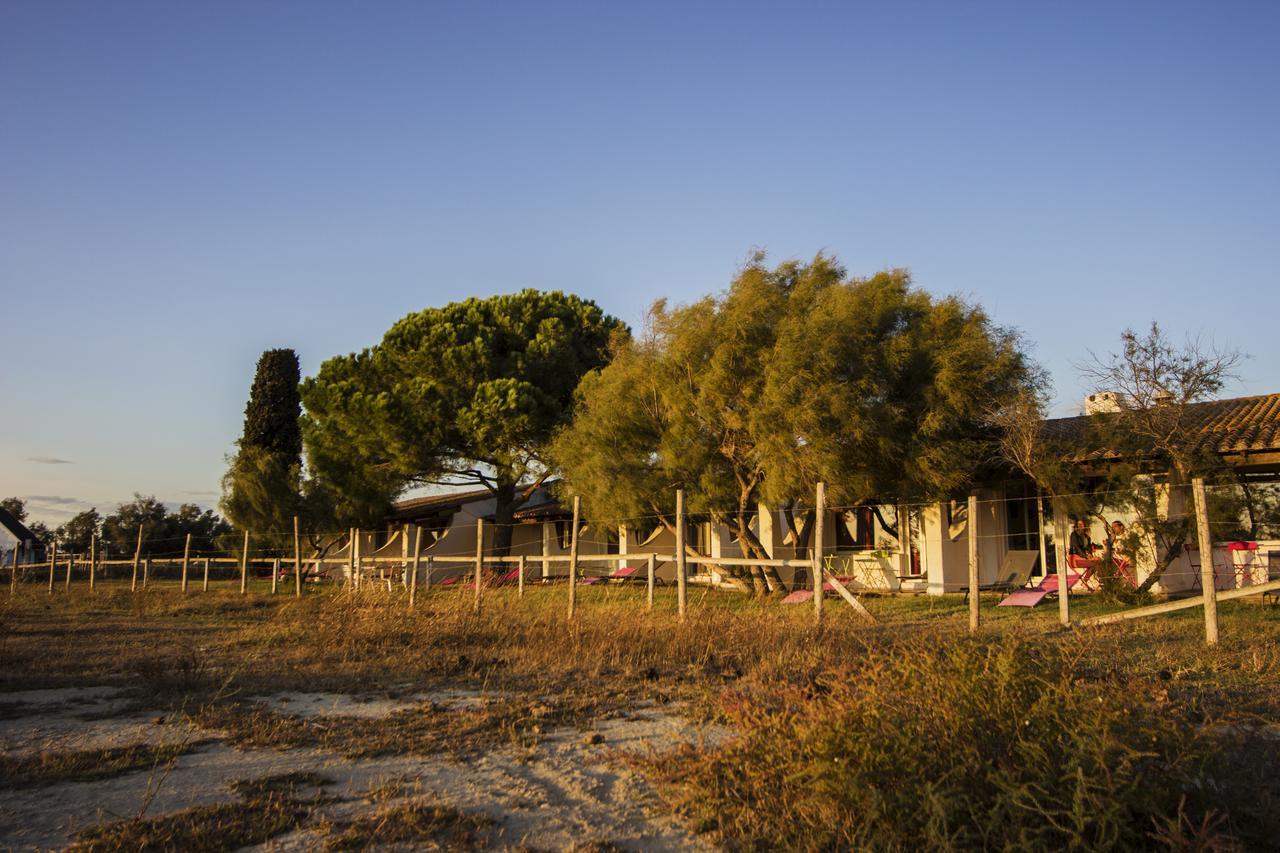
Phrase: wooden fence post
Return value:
(146, 572)
(359, 558)
(417, 558)
(93, 558)
(244, 564)
(652, 567)
(53, 558)
(431, 565)
(819, 521)
(297, 559)
(71, 561)
(682, 579)
(479, 560)
(186, 561)
(275, 574)
(205, 587)
(13, 575)
(137, 554)
(973, 562)
(520, 566)
(1060, 537)
(351, 559)
(1207, 580)
(573, 559)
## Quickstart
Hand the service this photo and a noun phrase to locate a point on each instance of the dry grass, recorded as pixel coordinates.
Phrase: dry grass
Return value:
(45, 768)
(882, 736)
(269, 807)
(415, 823)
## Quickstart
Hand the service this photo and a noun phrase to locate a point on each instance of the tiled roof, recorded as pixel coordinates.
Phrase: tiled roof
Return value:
(1241, 425)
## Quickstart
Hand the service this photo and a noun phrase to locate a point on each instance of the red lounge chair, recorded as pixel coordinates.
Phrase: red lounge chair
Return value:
(619, 575)
(1033, 596)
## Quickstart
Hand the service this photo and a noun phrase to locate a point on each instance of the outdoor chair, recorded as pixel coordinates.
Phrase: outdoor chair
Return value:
(1032, 596)
(1015, 572)
(621, 574)
(1193, 558)
(1243, 557)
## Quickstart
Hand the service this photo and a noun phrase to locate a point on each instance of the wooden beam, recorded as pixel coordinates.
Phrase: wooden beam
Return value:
(851, 598)
(1180, 604)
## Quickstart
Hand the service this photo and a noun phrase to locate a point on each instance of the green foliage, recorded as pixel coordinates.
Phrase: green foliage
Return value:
(16, 507)
(468, 393)
(274, 407)
(263, 488)
(794, 375)
(76, 534)
(164, 533)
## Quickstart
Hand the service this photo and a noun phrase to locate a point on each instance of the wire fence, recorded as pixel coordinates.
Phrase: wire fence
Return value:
(1026, 547)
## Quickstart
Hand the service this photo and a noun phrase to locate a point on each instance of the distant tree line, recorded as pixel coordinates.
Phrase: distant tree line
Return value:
(164, 532)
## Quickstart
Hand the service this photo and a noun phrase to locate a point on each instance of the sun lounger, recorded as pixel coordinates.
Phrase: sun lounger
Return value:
(619, 575)
(1015, 571)
(1036, 594)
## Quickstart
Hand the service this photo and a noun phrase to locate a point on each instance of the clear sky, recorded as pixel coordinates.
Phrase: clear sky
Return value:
(183, 185)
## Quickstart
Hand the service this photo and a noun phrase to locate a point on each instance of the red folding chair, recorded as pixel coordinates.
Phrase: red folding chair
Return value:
(1243, 557)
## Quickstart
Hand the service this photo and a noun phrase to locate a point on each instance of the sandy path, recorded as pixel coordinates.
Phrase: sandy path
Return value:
(565, 792)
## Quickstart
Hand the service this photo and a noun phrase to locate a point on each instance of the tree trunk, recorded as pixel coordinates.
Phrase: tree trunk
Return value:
(506, 502)
(802, 534)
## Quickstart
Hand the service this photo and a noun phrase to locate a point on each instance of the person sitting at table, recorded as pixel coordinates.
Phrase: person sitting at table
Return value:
(1115, 550)
(1081, 545)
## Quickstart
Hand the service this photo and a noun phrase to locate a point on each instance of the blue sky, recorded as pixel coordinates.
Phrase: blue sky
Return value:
(183, 185)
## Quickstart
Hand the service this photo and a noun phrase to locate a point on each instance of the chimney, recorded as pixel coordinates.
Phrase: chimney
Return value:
(1101, 403)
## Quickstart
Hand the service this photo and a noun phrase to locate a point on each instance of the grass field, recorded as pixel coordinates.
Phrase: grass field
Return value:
(904, 734)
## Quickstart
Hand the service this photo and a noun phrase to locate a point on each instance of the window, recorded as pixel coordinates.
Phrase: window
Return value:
(854, 530)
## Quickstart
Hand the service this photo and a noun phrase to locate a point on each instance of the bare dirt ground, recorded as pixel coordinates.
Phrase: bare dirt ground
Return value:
(571, 789)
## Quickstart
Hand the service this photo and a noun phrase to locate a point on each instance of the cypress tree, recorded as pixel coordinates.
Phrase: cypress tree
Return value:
(262, 489)
(274, 407)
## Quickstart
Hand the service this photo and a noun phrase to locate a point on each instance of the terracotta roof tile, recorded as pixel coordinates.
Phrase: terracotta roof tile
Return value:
(1237, 425)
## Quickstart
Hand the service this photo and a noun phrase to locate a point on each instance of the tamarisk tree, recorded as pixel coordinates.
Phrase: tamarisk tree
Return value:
(795, 375)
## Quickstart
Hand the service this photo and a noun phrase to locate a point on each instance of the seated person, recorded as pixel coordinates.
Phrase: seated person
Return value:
(1081, 545)
(1115, 549)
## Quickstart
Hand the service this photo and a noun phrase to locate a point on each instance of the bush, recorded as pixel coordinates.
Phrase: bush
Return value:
(957, 742)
